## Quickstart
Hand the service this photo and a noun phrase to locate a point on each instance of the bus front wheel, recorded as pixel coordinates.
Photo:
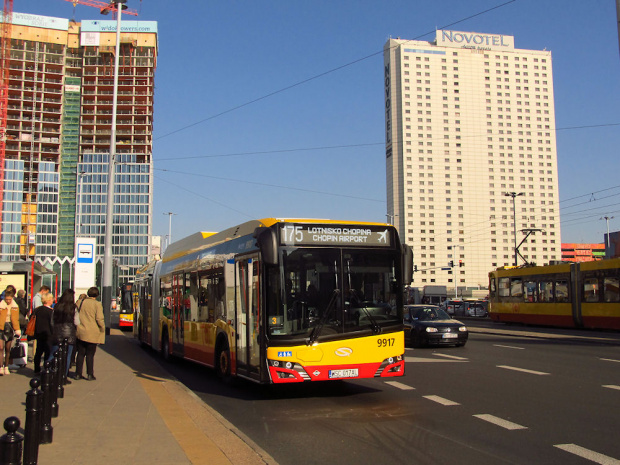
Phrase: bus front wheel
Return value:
(223, 362)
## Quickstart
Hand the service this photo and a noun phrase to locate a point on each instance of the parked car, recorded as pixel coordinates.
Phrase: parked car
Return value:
(453, 307)
(429, 324)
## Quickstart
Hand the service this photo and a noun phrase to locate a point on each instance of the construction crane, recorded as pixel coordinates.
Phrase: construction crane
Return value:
(104, 7)
(5, 62)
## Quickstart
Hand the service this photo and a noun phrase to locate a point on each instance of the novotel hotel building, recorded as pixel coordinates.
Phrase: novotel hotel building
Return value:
(470, 132)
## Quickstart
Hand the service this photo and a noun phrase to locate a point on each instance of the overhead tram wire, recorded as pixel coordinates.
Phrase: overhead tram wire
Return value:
(325, 73)
(370, 144)
(271, 185)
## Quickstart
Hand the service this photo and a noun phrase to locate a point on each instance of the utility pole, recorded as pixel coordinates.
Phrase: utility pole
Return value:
(169, 240)
(607, 218)
(514, 217)
(106, 295)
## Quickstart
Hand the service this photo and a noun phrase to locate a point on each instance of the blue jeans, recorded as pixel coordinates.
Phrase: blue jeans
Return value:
(69, 351)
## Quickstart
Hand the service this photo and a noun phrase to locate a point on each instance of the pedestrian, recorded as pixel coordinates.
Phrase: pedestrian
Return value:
(65, 323)
(38, 297)
(9, 318)
(90, 332)
(74, 353)
(43, 331)
(21, 302)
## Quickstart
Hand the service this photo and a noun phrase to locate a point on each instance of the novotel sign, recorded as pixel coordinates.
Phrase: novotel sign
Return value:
(474, 40)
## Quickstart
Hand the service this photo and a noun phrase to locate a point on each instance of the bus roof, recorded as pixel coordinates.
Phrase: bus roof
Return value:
(202, 240)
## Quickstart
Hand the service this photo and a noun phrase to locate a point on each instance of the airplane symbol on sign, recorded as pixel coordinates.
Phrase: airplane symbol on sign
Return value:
(383, 236)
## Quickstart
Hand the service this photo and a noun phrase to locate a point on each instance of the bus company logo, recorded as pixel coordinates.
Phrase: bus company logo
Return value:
(285, 354)
(343, 351)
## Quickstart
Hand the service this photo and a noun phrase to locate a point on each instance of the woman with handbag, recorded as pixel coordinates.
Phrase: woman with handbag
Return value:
(9, 318)
(65, 321)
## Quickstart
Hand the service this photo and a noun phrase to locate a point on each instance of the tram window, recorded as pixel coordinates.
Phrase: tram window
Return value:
(515, 287)
(504, 287)
(492, 289)
(561, 291)
(591, 290)
(529, 291)
(545, 291)
(612, 292)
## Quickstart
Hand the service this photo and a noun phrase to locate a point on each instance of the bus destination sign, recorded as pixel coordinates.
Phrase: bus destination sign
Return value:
(351, 235)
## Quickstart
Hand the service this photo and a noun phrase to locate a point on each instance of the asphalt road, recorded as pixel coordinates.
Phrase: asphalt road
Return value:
(500, 399)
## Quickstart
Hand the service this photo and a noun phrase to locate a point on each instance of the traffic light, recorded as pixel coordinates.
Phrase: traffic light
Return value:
(451, 263)
(461, 263)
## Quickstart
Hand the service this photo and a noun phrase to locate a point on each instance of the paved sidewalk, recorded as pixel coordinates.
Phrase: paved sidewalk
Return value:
(134, 413)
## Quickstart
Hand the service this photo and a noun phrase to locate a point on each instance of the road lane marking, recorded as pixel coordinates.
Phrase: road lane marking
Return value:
(609, 360)
(500, 422)
(432, 360)
(441, 400)
(453, 357)
(611, 386)
(588, 454)
(398, 385)
(509, 347)
(523, 370)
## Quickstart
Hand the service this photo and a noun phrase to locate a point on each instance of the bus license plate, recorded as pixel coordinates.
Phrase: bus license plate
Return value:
(450, 336)
(349, 373)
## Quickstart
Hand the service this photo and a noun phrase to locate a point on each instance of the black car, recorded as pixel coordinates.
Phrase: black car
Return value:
(429, 324)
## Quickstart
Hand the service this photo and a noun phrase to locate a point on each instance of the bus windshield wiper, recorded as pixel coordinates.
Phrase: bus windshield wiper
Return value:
(376, 329)
(316, 332)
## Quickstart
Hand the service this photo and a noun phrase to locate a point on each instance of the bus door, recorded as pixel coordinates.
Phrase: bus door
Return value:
(178, 309)
(248, 317)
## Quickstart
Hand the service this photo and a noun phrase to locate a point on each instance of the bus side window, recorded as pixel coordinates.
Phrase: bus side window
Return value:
(561, 291)
(612, 292)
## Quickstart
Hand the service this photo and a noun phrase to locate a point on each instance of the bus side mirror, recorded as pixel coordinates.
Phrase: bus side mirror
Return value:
(268, 245)
(407, 265)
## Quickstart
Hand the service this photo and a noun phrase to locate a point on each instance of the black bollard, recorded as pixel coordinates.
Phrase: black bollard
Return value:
(11, 443)
(59, 384)
(32, 430)
(54, 385)
(63, 371)
(47, 432)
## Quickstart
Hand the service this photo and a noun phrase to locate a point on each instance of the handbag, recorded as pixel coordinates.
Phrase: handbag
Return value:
(30, 327)
(8, 331)
(18, 351)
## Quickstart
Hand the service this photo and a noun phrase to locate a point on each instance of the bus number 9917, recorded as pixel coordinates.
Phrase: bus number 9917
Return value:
(385, 342)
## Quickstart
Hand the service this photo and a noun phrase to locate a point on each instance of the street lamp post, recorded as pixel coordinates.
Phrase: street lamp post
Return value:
(607, 218)
(78, 224)
(169, 237)
(106, 295)
(514, 217)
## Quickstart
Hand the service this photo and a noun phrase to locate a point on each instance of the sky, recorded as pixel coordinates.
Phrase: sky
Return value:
(276, 108)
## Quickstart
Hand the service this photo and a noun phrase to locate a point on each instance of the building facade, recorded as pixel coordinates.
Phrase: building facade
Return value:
(470, 129)
(58, 138)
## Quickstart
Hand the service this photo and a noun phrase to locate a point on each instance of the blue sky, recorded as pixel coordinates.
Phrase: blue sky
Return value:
(224, 154)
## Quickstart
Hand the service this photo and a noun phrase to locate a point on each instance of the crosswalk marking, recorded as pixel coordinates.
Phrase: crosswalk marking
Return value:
(523, 370)
(609, 360)
(500, 422)
(588, 454)
(441, 400)
(398, 385)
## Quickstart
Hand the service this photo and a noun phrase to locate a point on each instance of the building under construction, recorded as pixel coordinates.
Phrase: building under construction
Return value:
(57, 140)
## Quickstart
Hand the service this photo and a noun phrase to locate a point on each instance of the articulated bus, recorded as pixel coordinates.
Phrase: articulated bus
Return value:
(280, 300)
(581, 295)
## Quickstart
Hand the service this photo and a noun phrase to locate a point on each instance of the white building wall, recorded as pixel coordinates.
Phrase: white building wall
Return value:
(474, 123)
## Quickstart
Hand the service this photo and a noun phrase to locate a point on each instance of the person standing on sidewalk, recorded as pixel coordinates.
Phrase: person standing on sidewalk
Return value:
(9, 321)
(38, 297)
(65, 322)
(43, 331)
(90, 332)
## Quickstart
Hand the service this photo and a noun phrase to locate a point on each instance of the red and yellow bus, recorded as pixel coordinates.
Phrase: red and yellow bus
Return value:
(280, 300)
(582, 295)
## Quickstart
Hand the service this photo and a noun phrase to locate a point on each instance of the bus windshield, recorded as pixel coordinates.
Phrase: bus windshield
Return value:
(325, 293)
